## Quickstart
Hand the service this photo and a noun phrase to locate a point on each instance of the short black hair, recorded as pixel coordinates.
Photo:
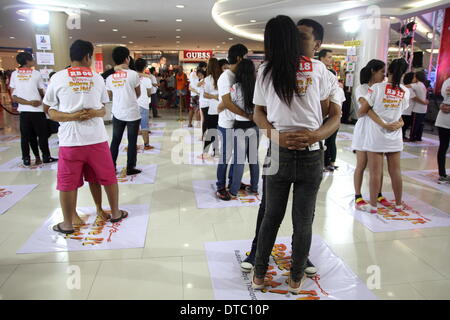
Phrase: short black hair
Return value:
(235, 51)
(51, 74)
(79, 49)
(317, 27)
(140, 64)
(120, 54)
(202, 64)
(408, 78)
(23, 57)
(421, 76)
(223, 62)
(323, 53)
(152, 69)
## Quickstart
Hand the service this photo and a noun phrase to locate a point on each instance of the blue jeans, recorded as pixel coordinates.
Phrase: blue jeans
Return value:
(246, 143)
(226, 138)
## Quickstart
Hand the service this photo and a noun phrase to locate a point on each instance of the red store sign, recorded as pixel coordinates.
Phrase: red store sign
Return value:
(195, 55)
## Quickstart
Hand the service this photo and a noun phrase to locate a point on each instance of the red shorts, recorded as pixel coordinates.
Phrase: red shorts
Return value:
(94, 162)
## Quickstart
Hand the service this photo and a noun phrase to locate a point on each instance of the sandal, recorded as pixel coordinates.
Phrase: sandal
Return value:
(123, 215)
(299, 288)
(57, 228)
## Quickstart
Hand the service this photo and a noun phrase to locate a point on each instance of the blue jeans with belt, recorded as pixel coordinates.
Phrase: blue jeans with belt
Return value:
(226, 137)
(302, 170)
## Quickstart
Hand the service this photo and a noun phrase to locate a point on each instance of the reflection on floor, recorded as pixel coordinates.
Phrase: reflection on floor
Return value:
(413, 263)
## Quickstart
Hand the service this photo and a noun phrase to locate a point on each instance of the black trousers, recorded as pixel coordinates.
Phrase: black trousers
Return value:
(154, 104)
(330, 153)
(34, 130)
(132, 131)
(204, 124)
(211, 126)
(408, 121)
(444, 139)
(418, 120)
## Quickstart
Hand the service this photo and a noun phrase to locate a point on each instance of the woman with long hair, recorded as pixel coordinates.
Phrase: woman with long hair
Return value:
(288, 93)
(212, 94)
(372, 73)
(384, 135)
(246, 133)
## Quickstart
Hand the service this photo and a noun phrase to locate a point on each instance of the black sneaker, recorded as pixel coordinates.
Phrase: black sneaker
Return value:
(310, 269)
(223, 194)
(27, 162)
(132, 171)
(249, 262)
(50, 160)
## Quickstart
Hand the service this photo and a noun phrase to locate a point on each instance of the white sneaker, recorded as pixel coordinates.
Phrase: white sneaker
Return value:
(246, 267)
(297, 290)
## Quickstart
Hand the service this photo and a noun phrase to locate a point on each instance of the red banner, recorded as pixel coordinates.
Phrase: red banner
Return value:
(197, 55)
(443, 72)
(99, 62)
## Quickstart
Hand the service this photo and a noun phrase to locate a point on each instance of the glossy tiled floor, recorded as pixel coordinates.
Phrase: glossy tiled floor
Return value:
(414, 264)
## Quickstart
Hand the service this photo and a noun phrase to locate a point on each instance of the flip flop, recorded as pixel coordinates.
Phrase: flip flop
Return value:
(57, 228)
(123, 215)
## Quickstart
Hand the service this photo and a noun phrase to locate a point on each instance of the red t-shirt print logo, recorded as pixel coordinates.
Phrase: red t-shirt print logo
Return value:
(80, 72)
(306, 65)
(25, 70)
(120, 75)
(396, 92)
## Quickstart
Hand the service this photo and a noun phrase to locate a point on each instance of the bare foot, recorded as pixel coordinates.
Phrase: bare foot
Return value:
(77, 221)
(103, 214)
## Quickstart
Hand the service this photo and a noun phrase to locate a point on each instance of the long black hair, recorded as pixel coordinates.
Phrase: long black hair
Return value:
(214, 70)
(397, 68)
(373, 65)
(246, 77)
(408, 78)
(282, 48)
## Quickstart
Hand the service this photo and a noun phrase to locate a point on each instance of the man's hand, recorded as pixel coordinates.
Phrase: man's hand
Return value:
(298, 139)
(394, 126)
(81, 115)
(35, 103)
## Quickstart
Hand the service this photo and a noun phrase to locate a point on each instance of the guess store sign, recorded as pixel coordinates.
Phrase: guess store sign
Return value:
(197, 55)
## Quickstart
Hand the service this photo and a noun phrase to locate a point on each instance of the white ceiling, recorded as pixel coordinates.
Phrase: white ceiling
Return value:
(198, 29)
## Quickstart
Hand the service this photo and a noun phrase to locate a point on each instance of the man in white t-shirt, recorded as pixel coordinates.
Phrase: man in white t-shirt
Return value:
(154, 96)
(419, 110)
(27, 90)
(227, 114)
(124, 88)
(194, 106)
(76, 98)
(144, 100)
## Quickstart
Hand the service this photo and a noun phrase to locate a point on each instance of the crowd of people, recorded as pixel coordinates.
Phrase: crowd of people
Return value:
(292, 98)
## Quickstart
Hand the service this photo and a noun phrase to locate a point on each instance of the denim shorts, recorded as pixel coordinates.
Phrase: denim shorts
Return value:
(144, 118)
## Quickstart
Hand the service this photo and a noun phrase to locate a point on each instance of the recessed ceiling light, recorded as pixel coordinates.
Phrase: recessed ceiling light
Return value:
(392, 18)
(178, 37)
(20, 19)
(101, 20)
(12, 37)
(218, 46)
(252, 21)
(329, 22)
(178, 30)
(223, 42)
(130, 42)
(70, 37)
(178, 41)
(180, 6)
(115, 30)
(179, 20)
(124, 37)
(230, 39)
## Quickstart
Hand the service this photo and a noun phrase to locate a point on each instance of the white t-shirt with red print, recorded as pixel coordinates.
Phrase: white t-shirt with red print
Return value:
(122, 84)
(26, 83)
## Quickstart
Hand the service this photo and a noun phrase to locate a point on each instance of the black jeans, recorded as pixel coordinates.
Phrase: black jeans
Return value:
(331, 152)
(418, 120)
(132, 130)
(34, 128)
(154, 104)
(205, 120)
(444, 139)
(211, 123)
(407, 120)
(303, 169)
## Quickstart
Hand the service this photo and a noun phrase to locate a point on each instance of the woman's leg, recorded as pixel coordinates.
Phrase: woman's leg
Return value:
(375, 162)
(252, 144)
(444, 136)
(393, 160)
(238, 161)
(358, 175)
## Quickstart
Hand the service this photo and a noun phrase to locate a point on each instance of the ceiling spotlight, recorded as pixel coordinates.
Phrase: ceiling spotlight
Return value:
(252, 21)
(230, 39)
(130, 42)
(12, 37)
(115, 30)
(101, 20)
(351, 26)
(178, 30)
(180, 6)
(392, 18)
(178, 37)
(329, 22)
(430, 35)
(179, 20)
(20, 19)
(178, 41)
(124, 37)
(40, 17)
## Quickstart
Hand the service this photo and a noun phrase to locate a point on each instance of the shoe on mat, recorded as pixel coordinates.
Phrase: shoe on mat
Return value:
(223, 194)
(249, 262)
(299, 288)
(310, 269)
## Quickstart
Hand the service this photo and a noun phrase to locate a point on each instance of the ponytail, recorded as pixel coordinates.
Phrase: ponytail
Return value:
(397, 69)
(373, 65)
